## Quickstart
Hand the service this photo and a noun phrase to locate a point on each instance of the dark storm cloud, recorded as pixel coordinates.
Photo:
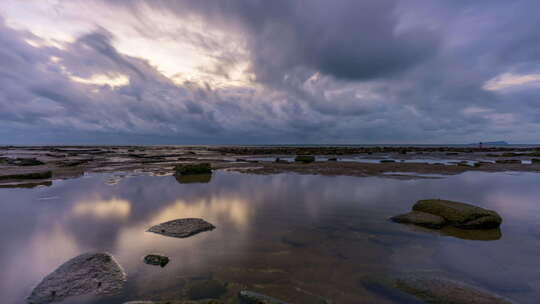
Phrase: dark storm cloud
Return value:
(340, 71)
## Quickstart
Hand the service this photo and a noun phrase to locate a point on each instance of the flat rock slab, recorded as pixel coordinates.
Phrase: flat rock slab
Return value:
(89, 273)
(421, 219)
(429, 288)
(182, 228)
(250, 297)
(460, 215)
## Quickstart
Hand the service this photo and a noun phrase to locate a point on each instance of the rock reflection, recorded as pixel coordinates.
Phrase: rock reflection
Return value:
(193, 178)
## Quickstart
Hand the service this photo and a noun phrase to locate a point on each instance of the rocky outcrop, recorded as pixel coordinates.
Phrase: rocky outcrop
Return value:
(428, 287)
(182, 228)
(89, 273)
(436, 213)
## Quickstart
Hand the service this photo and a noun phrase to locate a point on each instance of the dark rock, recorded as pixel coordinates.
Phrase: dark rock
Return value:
(27, 162)
(89, 273)
(182, 228)
(508, 161)
(332, 159)
(535, 160)
(305, 158)
(30, 175)
(207, 289)
(382, 161)
(156, 259)
(200, 168)
(250, 297)
(460, 215)
(420, 218)
(427, 287)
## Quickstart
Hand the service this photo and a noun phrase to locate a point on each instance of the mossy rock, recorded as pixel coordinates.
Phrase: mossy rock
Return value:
(199, 168)
(305, 158)
(421, 219)
(460, 215)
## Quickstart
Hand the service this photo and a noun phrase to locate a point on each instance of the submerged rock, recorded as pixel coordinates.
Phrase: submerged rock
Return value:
(182, 228)
(200, 168)
(420, 218)
(250, 297)
(89, 273)
(304, 158)
(206, 289)
(460, 215)
(156, 259)
(429, 287)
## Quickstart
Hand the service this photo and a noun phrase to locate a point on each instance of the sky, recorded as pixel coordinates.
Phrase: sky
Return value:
(269, 72)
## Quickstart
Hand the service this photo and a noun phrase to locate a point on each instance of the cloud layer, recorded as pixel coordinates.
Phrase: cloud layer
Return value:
(238, 71)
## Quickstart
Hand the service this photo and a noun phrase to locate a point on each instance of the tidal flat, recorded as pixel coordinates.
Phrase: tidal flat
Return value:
(315, 232)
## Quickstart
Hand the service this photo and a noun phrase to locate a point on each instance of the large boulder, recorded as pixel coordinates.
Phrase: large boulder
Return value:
(427, 287)
(182, 228)
(421, 219)
(89, 273)
(460, 215)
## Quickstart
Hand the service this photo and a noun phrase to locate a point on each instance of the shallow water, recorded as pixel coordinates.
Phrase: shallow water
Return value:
(299, 238)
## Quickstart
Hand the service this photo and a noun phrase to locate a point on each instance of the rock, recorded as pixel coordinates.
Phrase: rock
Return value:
(156, 259)
(27, 162)
(460, 215)
(182, 228)
(429, 287)
(420, 218)
(200, 168)
(305, 158)
(382, 161)
(193, 178)
(250, 297)
(508, 161)
(206, 289)
(332, 159)
(31, 175)
(535, 160)
(89, 273)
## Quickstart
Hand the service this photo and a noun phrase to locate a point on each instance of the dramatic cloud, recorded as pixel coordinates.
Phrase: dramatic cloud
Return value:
(254, 71)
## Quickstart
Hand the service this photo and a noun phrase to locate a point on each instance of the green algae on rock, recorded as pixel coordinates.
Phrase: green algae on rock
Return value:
(421, 219)
(460, 215)
(182, 228)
